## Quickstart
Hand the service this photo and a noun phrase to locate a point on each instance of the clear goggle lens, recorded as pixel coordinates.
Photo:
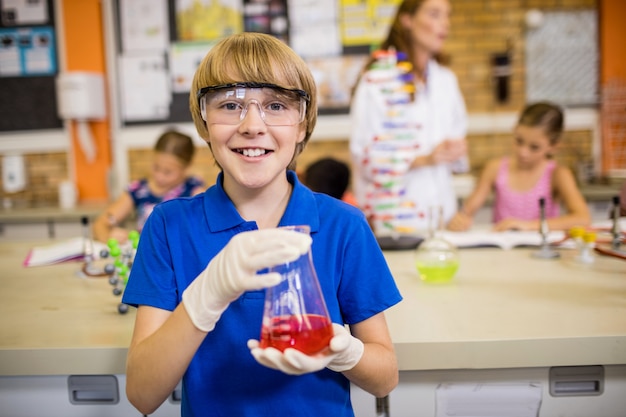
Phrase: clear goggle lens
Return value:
(230, 104)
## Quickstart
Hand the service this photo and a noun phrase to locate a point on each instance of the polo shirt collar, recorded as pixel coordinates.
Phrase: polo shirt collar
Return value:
(221, 213)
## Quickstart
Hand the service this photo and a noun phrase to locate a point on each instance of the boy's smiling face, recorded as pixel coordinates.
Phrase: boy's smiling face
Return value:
(253, 155)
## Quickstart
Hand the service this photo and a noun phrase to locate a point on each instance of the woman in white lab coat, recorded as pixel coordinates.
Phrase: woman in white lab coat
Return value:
(408, 124)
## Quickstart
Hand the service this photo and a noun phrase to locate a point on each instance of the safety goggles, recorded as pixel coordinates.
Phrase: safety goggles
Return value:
(228, 104)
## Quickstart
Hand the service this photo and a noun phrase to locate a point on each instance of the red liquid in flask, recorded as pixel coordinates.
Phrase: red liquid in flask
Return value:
(309, 333)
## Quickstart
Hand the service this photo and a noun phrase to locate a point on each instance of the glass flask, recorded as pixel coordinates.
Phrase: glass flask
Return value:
(295, 314)
(436, 259)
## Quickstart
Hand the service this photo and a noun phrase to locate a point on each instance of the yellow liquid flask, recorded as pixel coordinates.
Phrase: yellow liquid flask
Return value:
(295, 314)
(436, 259)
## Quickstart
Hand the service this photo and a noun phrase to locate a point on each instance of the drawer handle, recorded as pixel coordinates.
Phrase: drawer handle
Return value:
(571, 381)
(93, 389)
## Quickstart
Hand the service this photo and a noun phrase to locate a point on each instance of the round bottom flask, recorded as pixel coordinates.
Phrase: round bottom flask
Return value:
(436, 259)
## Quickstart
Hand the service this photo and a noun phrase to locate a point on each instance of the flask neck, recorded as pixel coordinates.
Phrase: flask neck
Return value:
(436, 223)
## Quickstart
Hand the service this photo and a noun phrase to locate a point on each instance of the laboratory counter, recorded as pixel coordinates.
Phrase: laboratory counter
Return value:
(21, 214)
(56, 321)
(26, 223)
(506, 318)
(600, 192)
(504, 309)
(507, 309)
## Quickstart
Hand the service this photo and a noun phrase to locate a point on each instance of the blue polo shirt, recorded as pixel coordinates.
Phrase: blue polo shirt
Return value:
(183, 235)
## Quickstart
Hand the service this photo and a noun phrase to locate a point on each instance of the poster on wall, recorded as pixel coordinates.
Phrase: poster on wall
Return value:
(145, 91)
(365, 22)
(267, 16)
(143, 26)
(27, 52)
(185, 57)
(24, 12)
(140, 100)
(314, 30)
(206, 20)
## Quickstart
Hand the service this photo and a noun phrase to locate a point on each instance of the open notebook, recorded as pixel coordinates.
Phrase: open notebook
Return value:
(62, 251)
(509, 239)
(506, 240)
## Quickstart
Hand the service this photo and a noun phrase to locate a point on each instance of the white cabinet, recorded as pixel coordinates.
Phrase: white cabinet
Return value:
(416, 393)
(50, 396)
(27, 396)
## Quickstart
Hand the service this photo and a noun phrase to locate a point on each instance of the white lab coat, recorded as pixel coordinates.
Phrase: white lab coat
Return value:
(439, 111)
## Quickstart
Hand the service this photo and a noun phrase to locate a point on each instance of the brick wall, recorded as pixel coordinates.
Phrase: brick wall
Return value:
(203, 164)
(480, 28)
(44, 172)
(574, 148)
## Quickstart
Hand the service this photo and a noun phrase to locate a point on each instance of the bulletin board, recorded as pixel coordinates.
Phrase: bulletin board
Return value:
(28, 65)
(159, 44)
(562, 59)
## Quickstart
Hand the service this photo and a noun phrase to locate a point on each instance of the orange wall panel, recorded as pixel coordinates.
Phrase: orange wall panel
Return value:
(612, 37)
(613, 83)
(84, 51)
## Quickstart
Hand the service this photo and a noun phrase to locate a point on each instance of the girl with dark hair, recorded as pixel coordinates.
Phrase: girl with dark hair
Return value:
(519, 182)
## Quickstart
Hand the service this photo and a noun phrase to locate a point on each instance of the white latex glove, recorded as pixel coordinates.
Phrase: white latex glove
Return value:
(344, 353)
(233, 271)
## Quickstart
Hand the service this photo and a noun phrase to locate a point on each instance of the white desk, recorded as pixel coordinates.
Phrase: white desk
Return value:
(508, 317)
(505, 309)
(505, 317)
(55, 323)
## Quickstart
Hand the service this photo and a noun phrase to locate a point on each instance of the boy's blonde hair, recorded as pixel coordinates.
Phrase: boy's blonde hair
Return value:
(254, 57)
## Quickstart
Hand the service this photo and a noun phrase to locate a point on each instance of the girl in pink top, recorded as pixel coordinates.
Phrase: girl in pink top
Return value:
(510, 203)
(520, 181)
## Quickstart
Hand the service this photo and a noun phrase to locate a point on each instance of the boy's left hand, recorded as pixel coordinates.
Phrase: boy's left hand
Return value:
(343, 353)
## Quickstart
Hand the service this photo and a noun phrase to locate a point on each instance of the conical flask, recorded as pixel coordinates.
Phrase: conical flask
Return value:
(295, 314)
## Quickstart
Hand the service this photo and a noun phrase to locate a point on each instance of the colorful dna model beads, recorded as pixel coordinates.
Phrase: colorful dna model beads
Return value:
(119, 270)
(389, 156)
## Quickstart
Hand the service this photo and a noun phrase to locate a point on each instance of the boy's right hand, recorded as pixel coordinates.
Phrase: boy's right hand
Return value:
(234, 270)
